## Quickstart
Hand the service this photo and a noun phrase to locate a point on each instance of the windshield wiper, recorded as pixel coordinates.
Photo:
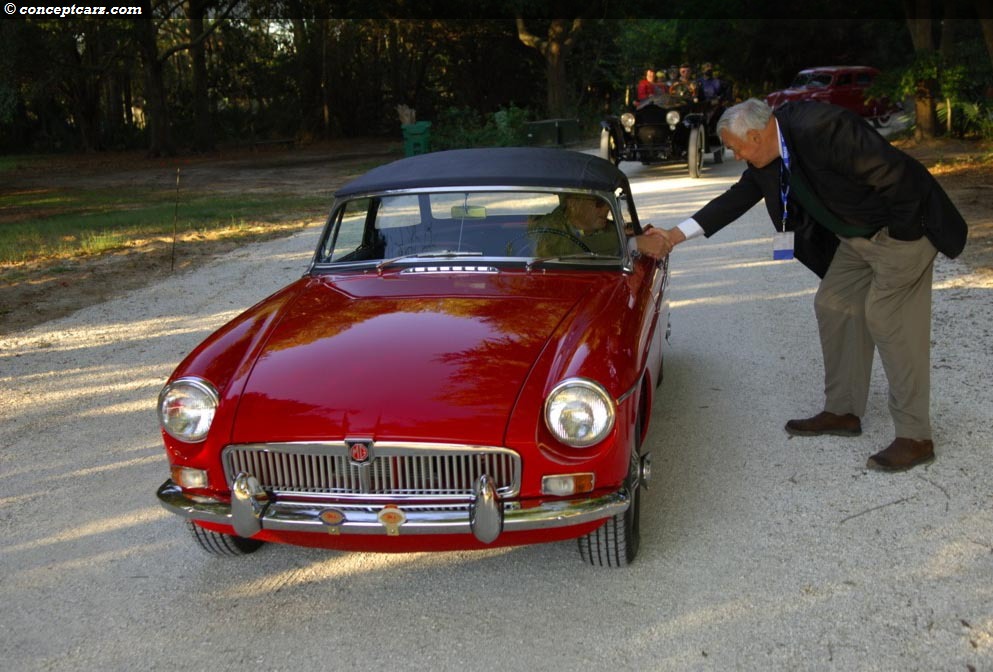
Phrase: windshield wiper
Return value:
(587, 256)
(439, 254)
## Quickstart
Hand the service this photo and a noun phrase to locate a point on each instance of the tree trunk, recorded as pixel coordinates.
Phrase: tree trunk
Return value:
(926, 87)
(555, 58)
(203, 140)
(113, 107)
(84, 94)
(155, 107)
(555, 49)
(984, 8)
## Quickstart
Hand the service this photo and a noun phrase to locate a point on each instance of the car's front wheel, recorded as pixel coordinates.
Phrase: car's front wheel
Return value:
(216, 543)
(616, 542)
(694, 152)
(608, 148)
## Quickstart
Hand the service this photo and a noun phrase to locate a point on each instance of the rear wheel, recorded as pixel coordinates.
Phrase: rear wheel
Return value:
(694, 152)
(616, 542)
(226, 545)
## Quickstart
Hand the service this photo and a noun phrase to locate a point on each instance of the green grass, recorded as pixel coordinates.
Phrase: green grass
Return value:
(15, 161)
(58, 223)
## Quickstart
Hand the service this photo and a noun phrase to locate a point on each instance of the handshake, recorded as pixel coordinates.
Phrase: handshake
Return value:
(658, 243)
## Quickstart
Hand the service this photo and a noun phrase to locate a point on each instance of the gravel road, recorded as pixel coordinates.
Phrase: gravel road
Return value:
(760, 552)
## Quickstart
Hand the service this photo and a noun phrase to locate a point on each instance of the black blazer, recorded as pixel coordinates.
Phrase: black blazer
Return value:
(856, 173)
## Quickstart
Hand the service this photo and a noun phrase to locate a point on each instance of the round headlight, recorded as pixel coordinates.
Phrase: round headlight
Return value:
(579, 412)
(628, 120)
(672, 118)
(187, 407)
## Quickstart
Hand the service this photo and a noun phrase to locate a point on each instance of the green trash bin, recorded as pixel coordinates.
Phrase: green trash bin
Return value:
(416, 138)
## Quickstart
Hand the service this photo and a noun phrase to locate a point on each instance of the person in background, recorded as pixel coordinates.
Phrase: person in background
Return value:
(714, 94)
(660, 84)
(686, 85)
(711, 87)
(646, 87)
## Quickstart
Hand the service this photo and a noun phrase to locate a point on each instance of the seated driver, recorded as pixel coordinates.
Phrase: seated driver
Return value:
(580, 217)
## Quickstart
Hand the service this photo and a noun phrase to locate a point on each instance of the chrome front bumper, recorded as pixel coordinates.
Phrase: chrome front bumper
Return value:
(486, 517)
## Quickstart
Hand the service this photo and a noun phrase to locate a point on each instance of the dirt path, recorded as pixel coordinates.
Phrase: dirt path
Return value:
(759, 552)
(31, 294)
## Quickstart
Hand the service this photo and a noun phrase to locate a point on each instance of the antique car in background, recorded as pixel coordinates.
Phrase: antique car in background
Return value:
(665, 128)
(433, 382)
(839, 85)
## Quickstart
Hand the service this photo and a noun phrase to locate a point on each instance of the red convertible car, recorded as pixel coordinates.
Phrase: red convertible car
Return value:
(842, 85)
(459, 368)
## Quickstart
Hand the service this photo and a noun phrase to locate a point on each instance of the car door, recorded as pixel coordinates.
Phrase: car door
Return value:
(650, 278)
(863, 80)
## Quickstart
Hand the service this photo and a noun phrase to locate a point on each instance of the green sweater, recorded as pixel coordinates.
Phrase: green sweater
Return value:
(603, 241)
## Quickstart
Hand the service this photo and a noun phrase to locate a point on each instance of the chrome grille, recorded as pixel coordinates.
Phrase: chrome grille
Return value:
(396, 470)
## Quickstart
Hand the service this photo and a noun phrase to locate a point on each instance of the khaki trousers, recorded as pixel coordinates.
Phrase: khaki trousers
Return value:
(876, 295)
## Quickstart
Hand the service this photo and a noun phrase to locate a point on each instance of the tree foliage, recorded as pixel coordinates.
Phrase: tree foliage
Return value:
(191, 75)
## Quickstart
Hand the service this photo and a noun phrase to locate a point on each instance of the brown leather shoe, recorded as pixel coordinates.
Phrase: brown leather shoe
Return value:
(826, 423)
(901, 455)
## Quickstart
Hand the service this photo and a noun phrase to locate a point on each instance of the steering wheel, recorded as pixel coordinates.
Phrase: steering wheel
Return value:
(512, 245)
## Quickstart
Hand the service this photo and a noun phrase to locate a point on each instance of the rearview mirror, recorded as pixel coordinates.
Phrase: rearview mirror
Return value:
(468, 212)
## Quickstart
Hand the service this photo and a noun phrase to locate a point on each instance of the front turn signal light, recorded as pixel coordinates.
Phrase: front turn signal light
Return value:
(567, 484)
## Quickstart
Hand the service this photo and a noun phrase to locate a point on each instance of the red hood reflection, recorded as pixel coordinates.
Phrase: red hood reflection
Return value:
(406, 357)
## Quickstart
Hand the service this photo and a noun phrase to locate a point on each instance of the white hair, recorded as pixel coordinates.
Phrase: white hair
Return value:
(751, 115)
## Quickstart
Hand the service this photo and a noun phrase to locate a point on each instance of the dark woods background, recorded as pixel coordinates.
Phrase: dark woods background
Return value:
(195, 75)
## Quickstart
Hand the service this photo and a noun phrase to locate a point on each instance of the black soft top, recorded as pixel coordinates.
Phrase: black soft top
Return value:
(499, 166)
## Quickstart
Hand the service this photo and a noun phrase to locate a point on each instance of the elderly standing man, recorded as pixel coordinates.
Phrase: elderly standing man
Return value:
(869, 220)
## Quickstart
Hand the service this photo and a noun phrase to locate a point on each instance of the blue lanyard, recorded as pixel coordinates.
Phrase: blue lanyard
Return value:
(784, 182)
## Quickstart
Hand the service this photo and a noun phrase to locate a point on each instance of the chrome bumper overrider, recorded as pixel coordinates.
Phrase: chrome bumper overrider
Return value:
(486, 517)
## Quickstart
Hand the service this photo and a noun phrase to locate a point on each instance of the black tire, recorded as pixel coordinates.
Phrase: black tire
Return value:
(226, 545)
(882, 121)
(719, 155)
(608, 148)
(616, 542)
(694, 152)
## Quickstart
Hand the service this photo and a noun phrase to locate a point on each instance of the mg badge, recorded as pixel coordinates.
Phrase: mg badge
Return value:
(359, 452)
(392, 518)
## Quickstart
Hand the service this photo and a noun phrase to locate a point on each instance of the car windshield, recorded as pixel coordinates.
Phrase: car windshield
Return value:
(811, 79)
(666, 100)
(505, 224)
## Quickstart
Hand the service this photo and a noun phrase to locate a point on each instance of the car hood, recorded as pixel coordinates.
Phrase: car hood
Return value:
(404, 357)
(791, 93)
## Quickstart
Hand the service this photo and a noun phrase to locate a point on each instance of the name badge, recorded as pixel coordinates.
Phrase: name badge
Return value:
(782, 245)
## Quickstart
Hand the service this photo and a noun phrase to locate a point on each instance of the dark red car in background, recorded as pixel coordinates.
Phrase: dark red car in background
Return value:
(843, 85)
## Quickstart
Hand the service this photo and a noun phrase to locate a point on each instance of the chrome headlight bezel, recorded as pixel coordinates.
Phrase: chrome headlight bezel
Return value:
(672, 117)
(187, 407)
(587, 397)
(627, 121)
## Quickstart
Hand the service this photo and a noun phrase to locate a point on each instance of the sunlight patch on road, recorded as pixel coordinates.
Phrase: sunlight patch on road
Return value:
(158, 458)
(738, 299)
(105, 333)
(970, 280)
(346, 565)
(112, 524)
